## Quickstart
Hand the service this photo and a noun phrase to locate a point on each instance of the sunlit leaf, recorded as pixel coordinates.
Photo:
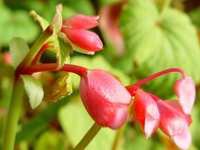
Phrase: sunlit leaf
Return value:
(154, 41)
(34, 90)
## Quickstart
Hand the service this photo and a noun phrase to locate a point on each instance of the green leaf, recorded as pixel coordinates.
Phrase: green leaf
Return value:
(40, 122)
(16, 24)
(41, 21)
(18, 49)
(75, 122)
(34, 90)
(155, 42)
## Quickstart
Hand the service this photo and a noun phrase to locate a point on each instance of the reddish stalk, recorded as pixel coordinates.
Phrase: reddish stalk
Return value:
(39, 54)
(54, 67)
(132, 88)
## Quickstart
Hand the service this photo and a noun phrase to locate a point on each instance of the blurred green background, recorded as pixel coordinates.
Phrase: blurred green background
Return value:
(139, 39)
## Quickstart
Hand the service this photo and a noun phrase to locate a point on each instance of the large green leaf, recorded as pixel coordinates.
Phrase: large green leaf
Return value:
(18, 49)
(34, 90)
(76, 122)
(155, 42)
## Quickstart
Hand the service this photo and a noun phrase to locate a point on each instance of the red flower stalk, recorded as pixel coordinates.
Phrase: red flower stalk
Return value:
(105, 99)
(75, 29)
(146, 112)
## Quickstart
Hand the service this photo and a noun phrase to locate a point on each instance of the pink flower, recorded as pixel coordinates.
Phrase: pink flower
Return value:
(146, 112)
(185, 90)
(105, 99)
(75, 29)
(174, 123)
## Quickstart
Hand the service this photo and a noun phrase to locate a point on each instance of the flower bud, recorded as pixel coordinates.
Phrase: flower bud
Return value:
(81, 22)
(7, 58)
(105, 99)
(146, 112)
(174, 123)
(86, 40)
(185, 90)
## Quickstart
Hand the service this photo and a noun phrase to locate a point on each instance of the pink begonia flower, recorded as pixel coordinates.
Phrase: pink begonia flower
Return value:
(185, 90)
(175, 124)
(105, 99)
(146, 112)
(75, 29)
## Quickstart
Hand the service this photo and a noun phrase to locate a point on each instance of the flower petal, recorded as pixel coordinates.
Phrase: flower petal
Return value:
(185, 90)
(81, 22)
(84, 39)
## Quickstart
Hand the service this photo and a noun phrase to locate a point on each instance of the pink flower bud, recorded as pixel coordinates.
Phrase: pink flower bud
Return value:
(174, 123)
(105, 99)
(84, 39)
(81, 22)
(146, 112)
(185, 90)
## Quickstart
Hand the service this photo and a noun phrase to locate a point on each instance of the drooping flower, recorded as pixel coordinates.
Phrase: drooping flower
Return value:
(146, 112)
(75, 29)
(105, 99)
(175, 124)
(185, 90)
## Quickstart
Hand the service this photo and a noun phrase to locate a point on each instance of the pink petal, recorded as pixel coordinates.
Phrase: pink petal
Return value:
(185, 90)
(81, 22)
(105, 99)
(174, 124)
(146, 112)
(84, 39)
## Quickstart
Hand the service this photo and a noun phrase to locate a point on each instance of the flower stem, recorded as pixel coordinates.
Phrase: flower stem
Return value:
(36, 47)
(88, 137)
(118, 138)
(13, 116)
(54, 67)
(132, 88)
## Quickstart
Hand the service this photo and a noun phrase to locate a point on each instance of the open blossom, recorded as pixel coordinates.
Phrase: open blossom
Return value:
(105, 99)
(76, 31)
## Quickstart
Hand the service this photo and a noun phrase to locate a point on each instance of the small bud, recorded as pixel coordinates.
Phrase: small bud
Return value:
(185, 90)
(174, 124)
(105, 99)
(84, 39)
(81, 22)
(7, 58)
(146, 112)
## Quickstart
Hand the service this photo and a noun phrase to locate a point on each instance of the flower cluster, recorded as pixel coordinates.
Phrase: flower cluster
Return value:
(108, 102)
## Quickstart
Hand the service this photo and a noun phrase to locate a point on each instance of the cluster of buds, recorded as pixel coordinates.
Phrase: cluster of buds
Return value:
(108, 102)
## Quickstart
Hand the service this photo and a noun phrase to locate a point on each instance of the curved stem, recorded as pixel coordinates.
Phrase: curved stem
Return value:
(13, 116)
(88, 137)
(54, 67)
(135, 86)
(118, 138)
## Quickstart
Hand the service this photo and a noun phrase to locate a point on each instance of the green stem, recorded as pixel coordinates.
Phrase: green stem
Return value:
(118, 139)
(13, 116)
(36, 47)
(88, 137)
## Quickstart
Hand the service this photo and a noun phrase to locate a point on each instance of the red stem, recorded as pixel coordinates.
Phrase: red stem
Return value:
(54, 67)
(132, 88)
